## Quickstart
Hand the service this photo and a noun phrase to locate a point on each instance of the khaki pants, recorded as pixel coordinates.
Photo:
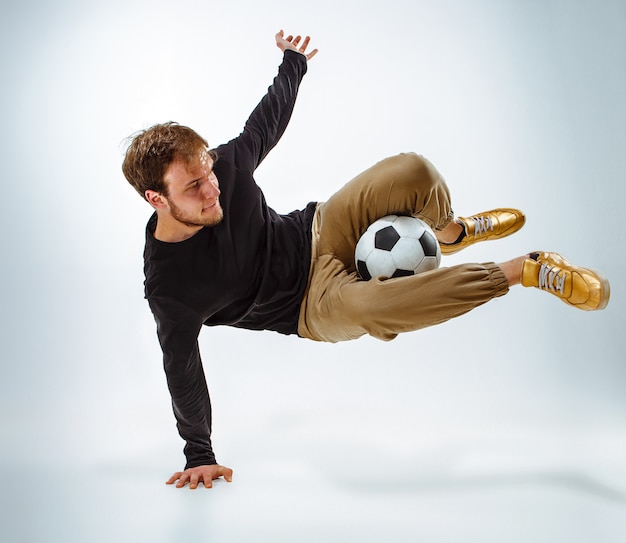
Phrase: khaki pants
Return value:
(337, 306)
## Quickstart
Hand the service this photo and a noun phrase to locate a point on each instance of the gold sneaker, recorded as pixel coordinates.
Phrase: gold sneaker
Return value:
(578, 287)
(494, 224)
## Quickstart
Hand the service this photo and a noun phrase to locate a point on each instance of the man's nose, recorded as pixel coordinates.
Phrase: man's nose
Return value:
(211, 189)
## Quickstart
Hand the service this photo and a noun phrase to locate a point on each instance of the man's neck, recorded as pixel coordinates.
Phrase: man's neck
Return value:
(169, 230)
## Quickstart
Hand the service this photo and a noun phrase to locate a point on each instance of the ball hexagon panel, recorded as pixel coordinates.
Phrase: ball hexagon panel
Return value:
(380, 263)
(408, 227)
(407, 254)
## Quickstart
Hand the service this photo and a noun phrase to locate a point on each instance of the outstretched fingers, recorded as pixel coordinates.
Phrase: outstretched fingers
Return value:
(200, 474)
(293, 43)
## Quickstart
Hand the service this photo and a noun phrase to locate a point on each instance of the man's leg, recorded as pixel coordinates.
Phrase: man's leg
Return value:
(406, 184)
(338, 306)
(341, 307)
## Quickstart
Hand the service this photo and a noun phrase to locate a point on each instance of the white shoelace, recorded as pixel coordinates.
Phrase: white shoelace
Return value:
(482, 225)
(549, 279)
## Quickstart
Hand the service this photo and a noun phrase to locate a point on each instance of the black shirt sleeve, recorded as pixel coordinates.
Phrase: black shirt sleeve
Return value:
(270, 117)
(178, 328)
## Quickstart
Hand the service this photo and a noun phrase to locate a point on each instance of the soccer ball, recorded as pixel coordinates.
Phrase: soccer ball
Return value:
(396, 246)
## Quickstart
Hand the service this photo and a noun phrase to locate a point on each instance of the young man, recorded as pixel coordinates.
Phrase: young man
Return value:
(216, 254)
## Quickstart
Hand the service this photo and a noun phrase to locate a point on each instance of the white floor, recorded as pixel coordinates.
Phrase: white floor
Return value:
(113, 504)
(338, 498)
(329, 449)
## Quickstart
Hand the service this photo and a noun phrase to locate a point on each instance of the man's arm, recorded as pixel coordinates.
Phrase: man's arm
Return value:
(270, 117)
(178, 329)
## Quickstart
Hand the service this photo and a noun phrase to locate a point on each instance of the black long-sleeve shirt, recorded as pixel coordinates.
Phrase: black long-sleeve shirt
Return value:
(248, 271)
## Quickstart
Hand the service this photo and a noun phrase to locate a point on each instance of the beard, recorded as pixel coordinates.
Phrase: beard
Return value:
(192, 220)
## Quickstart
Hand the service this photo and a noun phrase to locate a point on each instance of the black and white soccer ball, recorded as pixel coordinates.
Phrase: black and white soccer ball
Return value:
(396, 246)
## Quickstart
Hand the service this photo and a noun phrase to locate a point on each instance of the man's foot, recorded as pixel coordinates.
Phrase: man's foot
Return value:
(494, 224)
(578, 287)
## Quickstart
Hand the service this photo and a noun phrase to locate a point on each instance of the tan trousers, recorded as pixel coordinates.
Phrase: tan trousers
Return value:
(338, 306)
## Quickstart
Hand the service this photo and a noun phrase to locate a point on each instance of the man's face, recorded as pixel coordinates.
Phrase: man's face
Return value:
(193, 191)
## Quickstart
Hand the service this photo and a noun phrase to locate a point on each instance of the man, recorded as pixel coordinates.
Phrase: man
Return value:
(216, 254)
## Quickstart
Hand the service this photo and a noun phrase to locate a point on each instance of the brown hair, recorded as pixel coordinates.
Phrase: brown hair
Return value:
(151, 151)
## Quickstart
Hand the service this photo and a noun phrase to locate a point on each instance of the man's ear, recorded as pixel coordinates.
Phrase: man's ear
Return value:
(156, 199)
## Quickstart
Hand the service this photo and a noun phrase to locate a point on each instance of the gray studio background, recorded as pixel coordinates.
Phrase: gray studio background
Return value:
(508, 424)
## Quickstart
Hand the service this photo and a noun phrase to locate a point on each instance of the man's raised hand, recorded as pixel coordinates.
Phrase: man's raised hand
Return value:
(292, 43)
(204, 474)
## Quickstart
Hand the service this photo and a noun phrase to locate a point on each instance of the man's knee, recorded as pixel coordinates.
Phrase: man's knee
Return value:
(418, 170)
